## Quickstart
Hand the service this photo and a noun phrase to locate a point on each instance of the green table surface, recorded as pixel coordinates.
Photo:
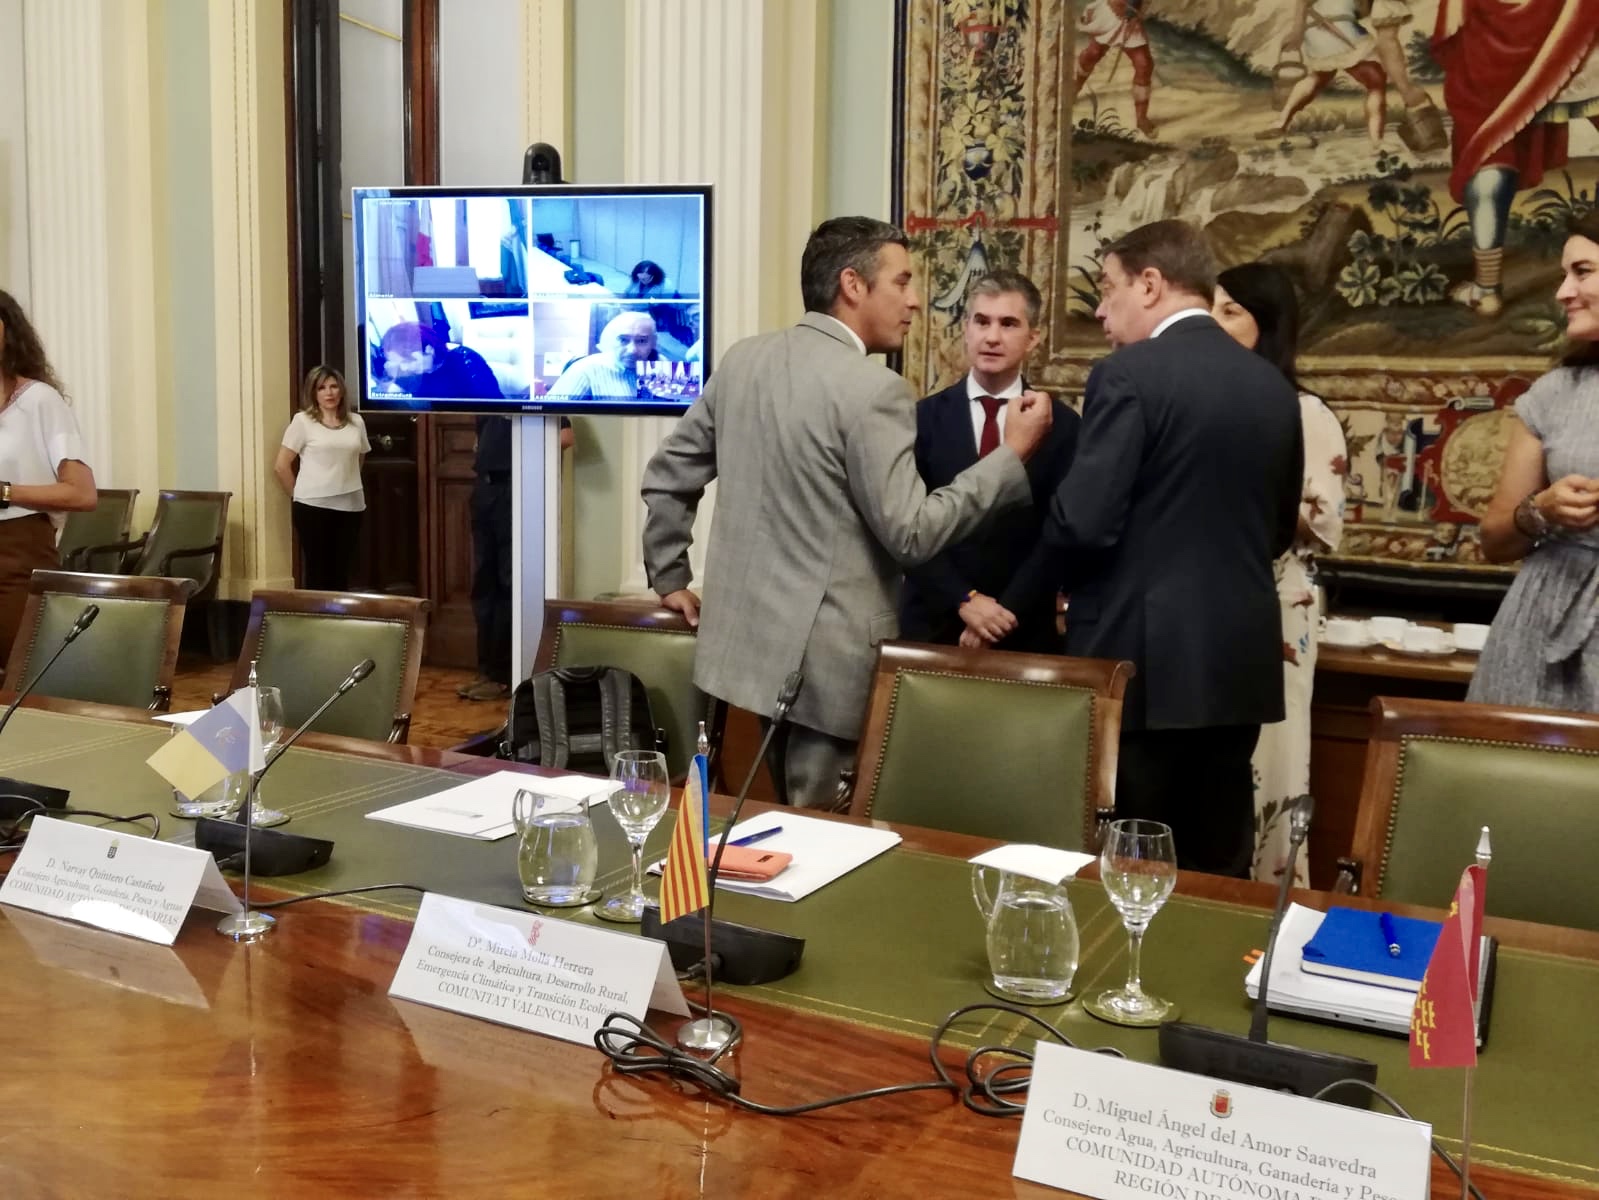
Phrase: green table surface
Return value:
(898, 943)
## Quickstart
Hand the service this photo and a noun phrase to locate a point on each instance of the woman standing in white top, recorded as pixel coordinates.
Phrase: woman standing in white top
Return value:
(330, 442)
(42, 471)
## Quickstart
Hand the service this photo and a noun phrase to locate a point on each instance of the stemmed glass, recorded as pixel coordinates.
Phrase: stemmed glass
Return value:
(269, 713)
(637, 804)
(1138, 866)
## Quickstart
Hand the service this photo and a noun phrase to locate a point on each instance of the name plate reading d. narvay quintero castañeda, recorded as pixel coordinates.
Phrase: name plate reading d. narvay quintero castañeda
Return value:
(122, 882)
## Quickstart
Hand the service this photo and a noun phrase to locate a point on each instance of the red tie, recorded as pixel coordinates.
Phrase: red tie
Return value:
(989, 442)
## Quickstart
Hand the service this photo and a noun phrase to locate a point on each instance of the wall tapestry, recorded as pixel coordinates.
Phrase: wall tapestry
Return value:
(1413, 163)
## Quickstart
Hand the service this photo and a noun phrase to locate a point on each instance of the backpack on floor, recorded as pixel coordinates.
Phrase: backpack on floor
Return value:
(579, 719)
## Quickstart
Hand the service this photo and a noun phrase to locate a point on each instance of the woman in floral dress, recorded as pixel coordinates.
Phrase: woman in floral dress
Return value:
(1256, 304)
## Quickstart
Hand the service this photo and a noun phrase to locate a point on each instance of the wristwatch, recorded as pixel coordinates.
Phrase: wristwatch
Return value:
(1529, 519)
(5, 494)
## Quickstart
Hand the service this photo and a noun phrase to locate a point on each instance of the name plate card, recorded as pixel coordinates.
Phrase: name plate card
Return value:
(547, 976)
(114, 881)
(1115, 1130)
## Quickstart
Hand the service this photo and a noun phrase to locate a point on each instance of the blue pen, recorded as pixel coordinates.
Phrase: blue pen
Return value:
(751, 839)
(1390, 934)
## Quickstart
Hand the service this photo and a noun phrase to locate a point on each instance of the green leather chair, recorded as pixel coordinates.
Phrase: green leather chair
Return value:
(1020, 747)
(306, 643)
(657, 645)
(105, 524)
(126, 657)
(184, 541)
(1437, 771)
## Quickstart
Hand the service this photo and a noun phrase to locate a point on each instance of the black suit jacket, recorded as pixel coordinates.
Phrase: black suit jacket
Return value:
(945, 446)
(1185, 489)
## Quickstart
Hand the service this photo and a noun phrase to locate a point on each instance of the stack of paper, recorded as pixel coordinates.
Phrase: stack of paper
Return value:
(481, 809)
(823, 851)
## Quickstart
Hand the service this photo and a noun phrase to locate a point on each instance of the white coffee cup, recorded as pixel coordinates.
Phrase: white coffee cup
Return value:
(1471, 637)
(1387, 629)
(1342, 631)
(1422, 638)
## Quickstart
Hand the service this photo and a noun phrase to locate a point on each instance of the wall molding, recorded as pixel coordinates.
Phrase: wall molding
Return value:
(730, 93)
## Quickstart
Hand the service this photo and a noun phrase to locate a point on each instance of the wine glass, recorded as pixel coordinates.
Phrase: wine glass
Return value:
(1138, 866)
(269, 715)
(637, 803)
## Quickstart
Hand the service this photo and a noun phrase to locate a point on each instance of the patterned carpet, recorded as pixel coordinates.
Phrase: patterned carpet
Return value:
(440, 718)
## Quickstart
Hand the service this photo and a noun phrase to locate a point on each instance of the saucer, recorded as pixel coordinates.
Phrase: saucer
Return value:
(1364, 643)
(1444, 651)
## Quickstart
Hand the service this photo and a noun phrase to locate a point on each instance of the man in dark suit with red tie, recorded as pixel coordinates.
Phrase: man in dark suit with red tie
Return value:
(951, 598)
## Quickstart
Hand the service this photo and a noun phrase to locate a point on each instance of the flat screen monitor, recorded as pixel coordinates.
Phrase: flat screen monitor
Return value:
(550, 299)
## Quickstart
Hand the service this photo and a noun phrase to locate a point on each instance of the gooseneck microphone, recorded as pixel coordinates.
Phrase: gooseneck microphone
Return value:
(357, 673)
(271, 851)
(785, 702)
(744, 954)
(85, 619)
(1253, 1059)
(17, 796)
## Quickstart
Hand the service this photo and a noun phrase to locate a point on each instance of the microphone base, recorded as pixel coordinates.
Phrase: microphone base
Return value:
(747, 955)
(1203, 1051)
(271, 852)
(18, 798)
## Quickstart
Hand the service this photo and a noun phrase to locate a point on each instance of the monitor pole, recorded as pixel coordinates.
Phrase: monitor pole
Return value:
(536, 490)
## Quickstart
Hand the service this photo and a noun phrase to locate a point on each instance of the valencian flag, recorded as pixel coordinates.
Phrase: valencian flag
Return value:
(221, 742)
(1443, 1025)
(684, 888)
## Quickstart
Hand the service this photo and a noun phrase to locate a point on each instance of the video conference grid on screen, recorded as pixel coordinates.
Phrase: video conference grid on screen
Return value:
(532, 300)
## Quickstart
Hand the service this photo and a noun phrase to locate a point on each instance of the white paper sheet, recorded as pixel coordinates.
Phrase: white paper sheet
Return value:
(1035, 862)
(823, 851)
(481, 808)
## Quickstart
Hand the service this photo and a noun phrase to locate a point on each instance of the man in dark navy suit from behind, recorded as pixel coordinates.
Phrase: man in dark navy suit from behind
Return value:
(951, 599)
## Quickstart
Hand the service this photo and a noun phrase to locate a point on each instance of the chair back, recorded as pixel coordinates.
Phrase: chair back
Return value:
(104, 525)
(1437, 771)
(657, 645)
(1020, 747)
(306, 643)
(126, 657)
(185, 538)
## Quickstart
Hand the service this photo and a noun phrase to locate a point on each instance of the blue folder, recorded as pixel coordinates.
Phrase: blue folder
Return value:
(1350, 944)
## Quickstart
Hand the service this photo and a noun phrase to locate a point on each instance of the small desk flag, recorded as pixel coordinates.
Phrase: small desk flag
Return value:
(1443, 1025)
(225, 740)
(684, 888)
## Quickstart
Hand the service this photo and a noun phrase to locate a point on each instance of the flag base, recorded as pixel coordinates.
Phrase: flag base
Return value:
(707, 1035)
(246, 926)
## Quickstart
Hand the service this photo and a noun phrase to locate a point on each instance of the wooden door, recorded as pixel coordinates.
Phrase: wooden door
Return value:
(391, 548)
(447, 537)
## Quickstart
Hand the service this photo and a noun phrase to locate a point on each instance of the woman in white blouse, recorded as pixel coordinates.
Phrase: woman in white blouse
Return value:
(42, 471)
(329, 441)
(1256, 304)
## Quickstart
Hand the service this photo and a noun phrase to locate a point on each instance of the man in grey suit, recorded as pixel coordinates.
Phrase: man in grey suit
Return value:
(819, 506)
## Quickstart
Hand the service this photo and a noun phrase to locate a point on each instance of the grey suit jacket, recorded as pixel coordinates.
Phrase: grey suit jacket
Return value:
(819, 507)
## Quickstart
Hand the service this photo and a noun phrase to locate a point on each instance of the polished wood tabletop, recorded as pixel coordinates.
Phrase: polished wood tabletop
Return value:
(284, 1069)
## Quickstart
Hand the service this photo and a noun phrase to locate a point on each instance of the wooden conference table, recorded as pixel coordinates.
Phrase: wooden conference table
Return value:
(284, 1069)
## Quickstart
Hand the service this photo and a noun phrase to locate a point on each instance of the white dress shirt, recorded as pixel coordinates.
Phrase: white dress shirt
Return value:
(1179, 315)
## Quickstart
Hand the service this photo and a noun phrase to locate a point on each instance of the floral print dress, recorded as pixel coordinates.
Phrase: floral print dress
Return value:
(1282, 756)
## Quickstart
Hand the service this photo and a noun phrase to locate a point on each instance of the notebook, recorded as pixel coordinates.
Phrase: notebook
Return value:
(1351, 944)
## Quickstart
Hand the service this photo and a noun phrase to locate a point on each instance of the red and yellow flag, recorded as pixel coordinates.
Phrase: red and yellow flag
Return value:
(1443, 1024)
(683, 884)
